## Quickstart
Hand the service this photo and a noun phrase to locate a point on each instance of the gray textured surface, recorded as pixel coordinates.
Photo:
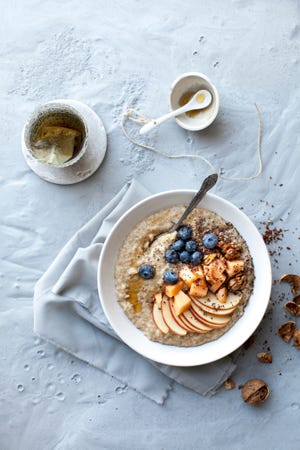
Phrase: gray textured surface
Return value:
(116, 54)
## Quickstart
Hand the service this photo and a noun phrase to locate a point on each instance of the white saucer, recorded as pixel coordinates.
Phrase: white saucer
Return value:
(90, 161)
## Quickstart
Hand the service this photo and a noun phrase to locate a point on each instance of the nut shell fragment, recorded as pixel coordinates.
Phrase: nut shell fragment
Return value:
(294, 280)
(229, 384)
(296, 338)
(255, 391)
(286, 330)
(297, 300)
(293, 308)
(264, 357)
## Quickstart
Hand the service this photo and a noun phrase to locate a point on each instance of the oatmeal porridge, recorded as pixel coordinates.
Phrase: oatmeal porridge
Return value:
(188, 287)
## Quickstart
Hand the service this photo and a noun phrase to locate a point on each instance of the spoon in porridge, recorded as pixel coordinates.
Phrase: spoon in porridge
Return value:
(206, 185)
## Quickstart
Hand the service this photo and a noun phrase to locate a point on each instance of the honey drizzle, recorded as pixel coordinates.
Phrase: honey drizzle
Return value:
(135, 285)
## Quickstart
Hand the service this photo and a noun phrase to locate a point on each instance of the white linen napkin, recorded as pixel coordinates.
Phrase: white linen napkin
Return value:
(68, 313)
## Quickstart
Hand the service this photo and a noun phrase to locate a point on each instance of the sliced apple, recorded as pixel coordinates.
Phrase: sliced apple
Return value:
(158, 299)
(208, 309)
(169, 320)
(213, 321)
(211, 300)
(189, 317)
(222, 294)
(158, 319)
(189, 325)
(182, 302)
(173, 289)
(180, 319)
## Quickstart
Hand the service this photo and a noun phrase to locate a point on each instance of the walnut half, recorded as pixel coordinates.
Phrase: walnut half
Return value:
(296, 337)
(255, 391)
(231, 251)
(286, 330)
(237, 283)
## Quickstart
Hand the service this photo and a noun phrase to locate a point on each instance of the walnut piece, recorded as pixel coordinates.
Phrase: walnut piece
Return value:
(286, 330)
(264, 357)
(229, 384)
(296, 337)
(292, 308)
(255, 391)
(237, 283)
(231, 251)
(294, 280)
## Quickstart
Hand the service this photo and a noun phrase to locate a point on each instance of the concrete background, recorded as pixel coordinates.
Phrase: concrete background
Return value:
(113, 55)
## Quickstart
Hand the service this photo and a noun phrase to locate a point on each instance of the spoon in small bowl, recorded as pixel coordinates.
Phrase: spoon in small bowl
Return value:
(202, 99)
(206, 185)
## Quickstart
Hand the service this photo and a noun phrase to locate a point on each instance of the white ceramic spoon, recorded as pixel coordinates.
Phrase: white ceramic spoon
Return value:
(202, 99)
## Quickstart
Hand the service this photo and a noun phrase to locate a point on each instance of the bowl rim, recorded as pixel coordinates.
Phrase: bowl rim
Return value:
(188, 356)
(216, 95)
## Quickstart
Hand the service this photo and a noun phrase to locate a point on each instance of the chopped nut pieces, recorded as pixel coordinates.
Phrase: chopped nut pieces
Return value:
(296, 338)
(237, 283)
(272, 234)
(255, 391)
(264, 357)
(231, 251)
(286, 330)
(294, 280)
(229, 384)
(292, 308)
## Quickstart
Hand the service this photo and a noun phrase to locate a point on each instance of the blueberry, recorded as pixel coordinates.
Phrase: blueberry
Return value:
(196, 258)
(178, 245)
(210, 240)
(191, 246)
(184, 233)
(146, 271)
(184, 256)
(171, 256)
(170, 277)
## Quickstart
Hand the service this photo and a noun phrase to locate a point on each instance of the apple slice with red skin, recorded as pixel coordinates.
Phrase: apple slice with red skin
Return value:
(210, 324)
(169, 320)
(212, 302)
(209, 319)
(181, 320)
(158, 319)
(209, 310)
(195, 322)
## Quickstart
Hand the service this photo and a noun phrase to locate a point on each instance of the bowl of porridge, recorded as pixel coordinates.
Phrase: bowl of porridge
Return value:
(189, 297)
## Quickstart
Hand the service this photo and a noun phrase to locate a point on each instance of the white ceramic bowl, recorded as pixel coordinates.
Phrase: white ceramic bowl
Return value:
(182, 356)
(192, 82)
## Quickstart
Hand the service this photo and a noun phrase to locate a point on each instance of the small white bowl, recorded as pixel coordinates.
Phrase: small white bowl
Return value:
(168, 354)
(189, 83)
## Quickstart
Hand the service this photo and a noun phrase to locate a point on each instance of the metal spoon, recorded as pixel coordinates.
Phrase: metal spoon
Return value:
(207, 184)
(202, 99)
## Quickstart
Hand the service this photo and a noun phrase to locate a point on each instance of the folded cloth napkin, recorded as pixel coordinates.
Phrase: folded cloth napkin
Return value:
(68, 313)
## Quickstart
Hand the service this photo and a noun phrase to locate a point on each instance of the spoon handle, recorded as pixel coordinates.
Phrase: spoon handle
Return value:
(155, 122)
(207, 184)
